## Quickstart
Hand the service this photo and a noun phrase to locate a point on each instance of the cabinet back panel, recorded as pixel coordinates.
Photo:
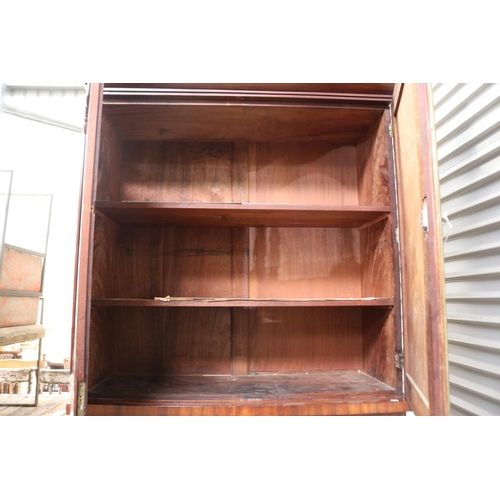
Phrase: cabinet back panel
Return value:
(309, 173)
(304, 262)
(298, 340)
(156, 261)
(203, 172)
(232, 172)
(157, 341)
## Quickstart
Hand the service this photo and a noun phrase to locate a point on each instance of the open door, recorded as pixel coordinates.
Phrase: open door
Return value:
(424, 326)
(81, 307)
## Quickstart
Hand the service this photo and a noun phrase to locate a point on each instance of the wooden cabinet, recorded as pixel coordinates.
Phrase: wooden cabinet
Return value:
(259, 250)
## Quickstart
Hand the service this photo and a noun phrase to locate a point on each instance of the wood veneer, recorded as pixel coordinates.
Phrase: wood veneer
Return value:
(267, 226)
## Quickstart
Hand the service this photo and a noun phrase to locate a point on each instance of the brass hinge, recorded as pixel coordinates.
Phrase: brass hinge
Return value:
(80, 408)
(391, 133)
(399, 359)
(397, 235)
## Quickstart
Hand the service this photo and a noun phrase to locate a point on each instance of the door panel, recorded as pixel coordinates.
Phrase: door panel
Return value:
(426, 384)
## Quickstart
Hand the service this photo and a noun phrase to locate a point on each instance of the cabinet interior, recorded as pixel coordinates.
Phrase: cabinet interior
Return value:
(268, 232)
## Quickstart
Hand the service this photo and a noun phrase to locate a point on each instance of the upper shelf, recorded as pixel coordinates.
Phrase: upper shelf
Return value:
(240, 214)
(338, 113)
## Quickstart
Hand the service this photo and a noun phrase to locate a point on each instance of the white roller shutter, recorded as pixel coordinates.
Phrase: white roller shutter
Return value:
(468, 139)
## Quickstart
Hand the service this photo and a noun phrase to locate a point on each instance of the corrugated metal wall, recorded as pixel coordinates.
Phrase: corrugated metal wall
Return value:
(468, 140)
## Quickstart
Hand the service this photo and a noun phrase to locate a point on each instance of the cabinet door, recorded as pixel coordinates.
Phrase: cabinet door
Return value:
(81, 315)
(424, 327)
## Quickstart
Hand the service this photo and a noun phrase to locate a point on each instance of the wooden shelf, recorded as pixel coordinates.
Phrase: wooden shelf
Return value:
(243, 302)
(278, 388)
(240, 214)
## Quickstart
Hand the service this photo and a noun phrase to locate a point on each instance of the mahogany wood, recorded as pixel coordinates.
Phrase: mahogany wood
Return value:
(415, 273)
(230, 214)
(379, 346)
(344, 386)
(278, 267)
(85, 246)
(298, 340)
(247, 302)
(438, 356)
(384, 406)
(195, 122)
(267, 213)
(110, 158)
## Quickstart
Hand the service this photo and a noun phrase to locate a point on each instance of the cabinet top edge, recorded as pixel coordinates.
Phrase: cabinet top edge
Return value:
(386, 89)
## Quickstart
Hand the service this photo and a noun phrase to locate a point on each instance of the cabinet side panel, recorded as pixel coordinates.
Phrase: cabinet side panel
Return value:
(301, 339)
(379, 346)
(372, 154)
(110, 157)
(304, 263)
(378, 260)
(105, 253)
(305, 173)
(101, 345)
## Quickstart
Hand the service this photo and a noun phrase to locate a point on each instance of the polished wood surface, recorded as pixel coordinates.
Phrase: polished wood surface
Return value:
(298, 340)
(346, 386)
(246, 302)
(142, 122)
(245, 254)
(425, 351)
(382, 407)
(231, 215)
(278, 267)
(312, 173)
(414, 276)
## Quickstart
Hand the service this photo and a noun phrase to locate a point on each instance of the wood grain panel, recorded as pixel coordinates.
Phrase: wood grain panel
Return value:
(384, 406)
(110, 157)
(310, 173)
(200, 122)
(197, 341)
(105, 253)
(138, 262)
(199, 262)
(341, 392)
(242, 215)
(378, 260)
(159, 341)
(304, 262)
(373, 164)
(300, 340)
(379, 346)
(101, 346)
(181, 172)
(415, 273)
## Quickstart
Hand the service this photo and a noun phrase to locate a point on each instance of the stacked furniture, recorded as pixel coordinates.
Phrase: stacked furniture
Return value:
(21, 289)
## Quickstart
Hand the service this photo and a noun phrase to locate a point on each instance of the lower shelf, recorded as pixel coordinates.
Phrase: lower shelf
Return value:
(339, 393)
